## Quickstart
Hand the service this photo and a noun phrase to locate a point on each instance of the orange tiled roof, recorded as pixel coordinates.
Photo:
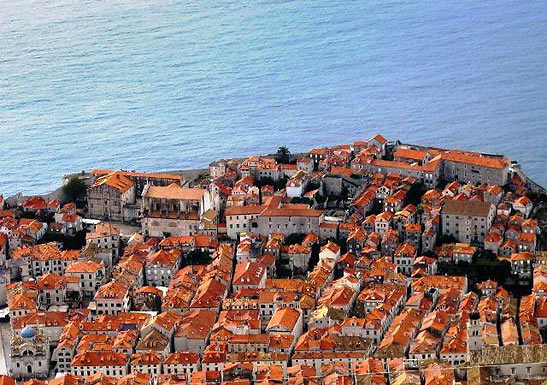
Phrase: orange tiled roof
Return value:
(174, 191)
(112, 290)
(84, 267)
(181, 358)
(151, 357)
(248, 273)
(475, 159)
(115, 180)
(163, 257)
(285, 317)
(378, 138)
(21, 302)
(410, 153)
(101, 359)
(154, 175)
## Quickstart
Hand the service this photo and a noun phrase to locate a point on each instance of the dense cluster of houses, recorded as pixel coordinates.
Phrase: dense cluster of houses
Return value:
(290, 289)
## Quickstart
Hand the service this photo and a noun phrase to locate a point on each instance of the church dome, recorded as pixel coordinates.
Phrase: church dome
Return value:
(28, 332)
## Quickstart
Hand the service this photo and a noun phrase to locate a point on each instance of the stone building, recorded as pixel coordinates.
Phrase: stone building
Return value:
(173, 210)
(429, 173)
(116, 195)
(289, 219)
(5, 280)
(242, 218)
(108, 197)
(217, 169)
(161, 265)
(273, 217)
(141, 179)
(30, 355)
(106, 241)
(474, 167)
(467, 221)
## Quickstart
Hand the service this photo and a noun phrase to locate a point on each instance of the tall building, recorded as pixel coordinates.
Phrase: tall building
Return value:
(467, 221)
(173, 210)
(474, 333)
(109, 196)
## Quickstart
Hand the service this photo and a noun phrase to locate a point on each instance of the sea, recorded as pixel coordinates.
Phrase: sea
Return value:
(164, 85)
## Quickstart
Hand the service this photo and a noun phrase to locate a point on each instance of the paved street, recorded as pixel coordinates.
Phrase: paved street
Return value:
(126, 230)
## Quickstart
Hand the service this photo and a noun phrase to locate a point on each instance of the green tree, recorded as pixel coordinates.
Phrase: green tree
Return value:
(446, 239)
(414, 194)
(74, 189)
(281, 183)
(283, 154)
(295, 238)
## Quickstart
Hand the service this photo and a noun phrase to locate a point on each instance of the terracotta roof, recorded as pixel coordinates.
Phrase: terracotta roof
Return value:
(101, 359)
(164, 257)
(475, 159)
(46, 251)
(464, 248)
(154, 175)
(21, 302)
(488, 284)
(52, 281)
(196, 324)
(410, 153)
(439, 281)
(385, 215)
(103, 230)
(150, 357)
(149, 290)
(181, 358)
(378, 138)
(524, 200)
(429, 166)
(244, 210)
(291, 212)
(249, 273)
(115, 180)
(174, 191)
(406, 249)
(112, 290)
(84, 267)
(135, 378)
(209, 294)
(66, 379)
(528, 238)
(525, 256)
(285, 318)
(96, 342)
(35, 203)
(493, 237)
(318, 151)
(7, 380)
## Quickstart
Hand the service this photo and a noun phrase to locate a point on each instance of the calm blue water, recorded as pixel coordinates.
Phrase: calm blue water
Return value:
(159, 85)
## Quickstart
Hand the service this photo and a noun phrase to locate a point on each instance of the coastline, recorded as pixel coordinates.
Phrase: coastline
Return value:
(193, 173)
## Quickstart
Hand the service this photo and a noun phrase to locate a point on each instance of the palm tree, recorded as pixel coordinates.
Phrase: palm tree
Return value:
(283, 150)
(283, 154)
